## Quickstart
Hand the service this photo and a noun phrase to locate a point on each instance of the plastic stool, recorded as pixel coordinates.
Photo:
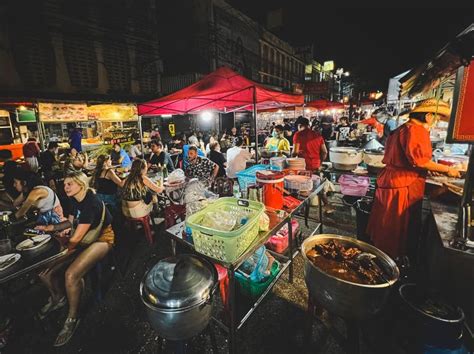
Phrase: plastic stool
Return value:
(223, 284)
(145, 221)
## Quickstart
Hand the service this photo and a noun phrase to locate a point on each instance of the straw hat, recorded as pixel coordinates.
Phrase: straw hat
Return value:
(434, 106)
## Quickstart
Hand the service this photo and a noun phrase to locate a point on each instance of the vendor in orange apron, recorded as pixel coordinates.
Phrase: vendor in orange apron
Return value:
(396, 213)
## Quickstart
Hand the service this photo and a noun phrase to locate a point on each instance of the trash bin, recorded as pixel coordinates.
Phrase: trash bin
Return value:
(362, 206)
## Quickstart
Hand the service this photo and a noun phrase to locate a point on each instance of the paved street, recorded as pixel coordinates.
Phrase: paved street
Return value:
(119, 325)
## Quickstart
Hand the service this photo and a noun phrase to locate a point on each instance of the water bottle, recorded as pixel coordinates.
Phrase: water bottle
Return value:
(236, 190)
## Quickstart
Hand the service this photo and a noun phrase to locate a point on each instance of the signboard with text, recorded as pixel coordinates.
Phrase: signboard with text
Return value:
(461, 123)
(62, 112)
(316, 88)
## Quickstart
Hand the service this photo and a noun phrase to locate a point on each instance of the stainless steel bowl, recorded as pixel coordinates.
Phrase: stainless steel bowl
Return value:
(343, 298)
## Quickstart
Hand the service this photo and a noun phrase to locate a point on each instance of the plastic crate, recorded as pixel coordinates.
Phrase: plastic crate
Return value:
(254, 290)
(248, 176)
(226, 246)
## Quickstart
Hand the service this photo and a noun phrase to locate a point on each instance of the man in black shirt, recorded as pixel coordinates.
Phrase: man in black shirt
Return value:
(159, 156)
(218, 158)
(288, 131)
(49, 163)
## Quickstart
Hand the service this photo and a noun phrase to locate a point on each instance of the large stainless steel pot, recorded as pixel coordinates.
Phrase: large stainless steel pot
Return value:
(343, 298)
(345, 158)
(177, 293)
(37, 251)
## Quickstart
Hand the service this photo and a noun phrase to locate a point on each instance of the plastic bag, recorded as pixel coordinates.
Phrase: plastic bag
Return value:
(219, 220)
(264, 222)
(197, 197)
(256, 266)
(177, 176)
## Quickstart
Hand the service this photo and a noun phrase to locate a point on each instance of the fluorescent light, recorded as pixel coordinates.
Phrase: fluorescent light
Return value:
(166, 115)
(206, 116)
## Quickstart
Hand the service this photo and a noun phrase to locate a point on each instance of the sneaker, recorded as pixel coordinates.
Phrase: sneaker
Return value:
(51, 306)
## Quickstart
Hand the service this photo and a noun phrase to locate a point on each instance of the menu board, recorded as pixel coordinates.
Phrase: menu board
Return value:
(78, 112)
(113, 112)
(62, 112)
(461, 125)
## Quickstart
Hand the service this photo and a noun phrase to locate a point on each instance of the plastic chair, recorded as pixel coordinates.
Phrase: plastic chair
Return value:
(145, 221)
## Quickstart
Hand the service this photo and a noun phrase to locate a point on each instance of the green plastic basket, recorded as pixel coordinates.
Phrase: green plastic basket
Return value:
(254, 290)
(226, 246)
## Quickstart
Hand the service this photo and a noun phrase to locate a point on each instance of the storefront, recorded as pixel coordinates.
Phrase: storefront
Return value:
(101, 124)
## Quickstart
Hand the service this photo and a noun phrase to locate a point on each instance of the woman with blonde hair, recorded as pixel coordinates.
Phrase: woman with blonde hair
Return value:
(105, 181)
(137, 193)
(91, 239)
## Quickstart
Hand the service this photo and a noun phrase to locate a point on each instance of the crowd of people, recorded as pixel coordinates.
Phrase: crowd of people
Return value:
(77, 198)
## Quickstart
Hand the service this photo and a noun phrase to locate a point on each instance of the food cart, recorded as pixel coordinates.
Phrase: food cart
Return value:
(447, 246)
(102, 124)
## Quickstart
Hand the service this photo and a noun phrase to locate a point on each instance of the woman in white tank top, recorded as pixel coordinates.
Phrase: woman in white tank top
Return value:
(35, 195)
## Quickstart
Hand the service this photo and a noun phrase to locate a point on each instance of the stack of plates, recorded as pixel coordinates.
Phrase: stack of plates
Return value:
(296, 163)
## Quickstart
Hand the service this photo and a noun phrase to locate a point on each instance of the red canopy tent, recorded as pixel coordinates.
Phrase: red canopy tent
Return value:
(222, 90)
(325, 104)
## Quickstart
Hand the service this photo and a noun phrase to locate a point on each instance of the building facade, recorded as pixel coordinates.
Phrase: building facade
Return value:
(214, 34)
(91, 50)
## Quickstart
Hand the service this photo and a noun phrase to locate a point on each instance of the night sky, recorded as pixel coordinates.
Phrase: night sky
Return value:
(372, 43)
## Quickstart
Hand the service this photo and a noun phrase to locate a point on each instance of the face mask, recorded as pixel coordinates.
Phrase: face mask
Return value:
(274, 134)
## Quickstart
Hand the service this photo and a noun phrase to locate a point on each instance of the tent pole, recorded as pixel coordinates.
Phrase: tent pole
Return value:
(41, 137)
(141, 133)
(255, 122)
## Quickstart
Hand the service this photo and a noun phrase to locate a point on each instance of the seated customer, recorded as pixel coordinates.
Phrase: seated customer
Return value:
(137, 192)
(159, 156)
(105, 181)
(89, 220)
(192, 141)
(237, 158)
(120, 157)
(49, 164)
(75, 162)
(33, 194)
(216, 156)
(200, 167)
(136, 150)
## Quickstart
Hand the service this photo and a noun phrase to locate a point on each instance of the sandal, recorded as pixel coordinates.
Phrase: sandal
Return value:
(70, 326)
(51, 306)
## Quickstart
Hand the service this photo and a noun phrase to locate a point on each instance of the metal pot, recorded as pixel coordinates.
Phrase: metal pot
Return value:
(374, 157)
(35, 253)
(431, 328)
(177, 293)
(345, 158)
(343, 298)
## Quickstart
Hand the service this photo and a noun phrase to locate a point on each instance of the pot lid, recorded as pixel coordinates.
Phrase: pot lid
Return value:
(179, 282)
(373, 145)
(379, 151)
(344, 149)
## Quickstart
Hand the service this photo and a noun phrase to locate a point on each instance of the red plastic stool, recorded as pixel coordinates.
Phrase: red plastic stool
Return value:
(223, 284)
(145, 221)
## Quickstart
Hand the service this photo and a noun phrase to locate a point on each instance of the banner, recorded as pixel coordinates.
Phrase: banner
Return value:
(461, 125)
(62, 112)
(112, 112)
(78, 112)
